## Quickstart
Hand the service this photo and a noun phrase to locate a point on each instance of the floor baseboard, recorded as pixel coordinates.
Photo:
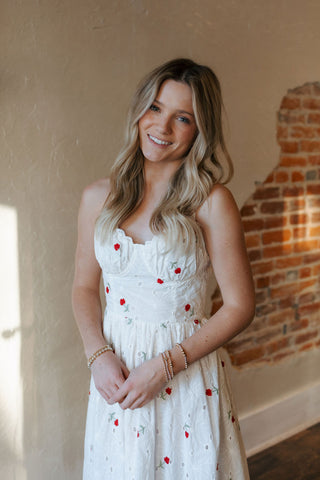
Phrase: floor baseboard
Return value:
(274, 423)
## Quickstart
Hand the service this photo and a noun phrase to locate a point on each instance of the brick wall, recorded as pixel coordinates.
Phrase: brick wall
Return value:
(282, 228)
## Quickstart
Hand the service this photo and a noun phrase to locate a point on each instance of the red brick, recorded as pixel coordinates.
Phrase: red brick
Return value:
(313, 118)
(295, 205)
(308, 146)
(252, 241)
(281, 356)
(306, 298)
(254, 255)
(252, 225)
(298, 325)
(305, 272)
(314, 232)
(265, 309)
(291, 117)
(276, 236)
(304, 337)
(313, 202)
(262, 282)
(282, 132)
(315, 217)
(311, 257)
(302, 132)
(316, 270)
(248, 210)
(298, 218)
(277, 345)
(309, 309)
(305, 246)
(297, 176)
(268, 335)
(292, 161)
(262, 267)
(314, 160)
(277, 251)
(311, 103)
(307, 346)
(275, 222)
(286, 302)
(261, 296)
(272, 207)
(285, 290)
(300, 232)
(288, 262)
(285, 316)
(313, 189)
(282, 177)
(247, 356)
(278, 278)
(293, 191)
(269, 178)
(290, 103)
(290, 146)
(266, 193)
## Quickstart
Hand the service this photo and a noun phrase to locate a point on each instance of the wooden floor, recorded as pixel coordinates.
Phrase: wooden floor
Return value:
(297, 458)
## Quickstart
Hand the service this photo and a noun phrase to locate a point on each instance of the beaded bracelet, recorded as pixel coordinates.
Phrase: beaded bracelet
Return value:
(167, 364)
(97, 354)
(184, 355)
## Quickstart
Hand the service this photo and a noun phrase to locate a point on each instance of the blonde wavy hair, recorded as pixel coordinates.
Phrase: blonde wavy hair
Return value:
(207, 162)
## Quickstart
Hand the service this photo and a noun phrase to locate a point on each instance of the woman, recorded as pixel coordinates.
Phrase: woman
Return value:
(159, 404)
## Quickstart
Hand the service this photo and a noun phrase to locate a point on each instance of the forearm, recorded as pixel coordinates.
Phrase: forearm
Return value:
(88, 314)
(225, 324)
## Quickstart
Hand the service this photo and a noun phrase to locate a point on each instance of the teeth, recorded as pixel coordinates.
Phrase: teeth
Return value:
(159, 142)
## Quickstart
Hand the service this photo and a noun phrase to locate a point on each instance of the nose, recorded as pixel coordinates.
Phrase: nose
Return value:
(164, 124)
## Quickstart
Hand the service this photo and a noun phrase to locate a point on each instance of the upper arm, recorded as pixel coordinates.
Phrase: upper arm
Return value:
(87, 269)
(220, 220)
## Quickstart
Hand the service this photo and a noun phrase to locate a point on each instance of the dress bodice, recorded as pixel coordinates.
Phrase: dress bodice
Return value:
(148, 282)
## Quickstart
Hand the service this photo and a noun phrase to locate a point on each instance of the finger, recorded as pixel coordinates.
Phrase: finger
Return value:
(125, 371)
(120, 394)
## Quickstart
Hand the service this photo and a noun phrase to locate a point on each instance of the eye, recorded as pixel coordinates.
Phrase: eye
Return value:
(154, 108)
(184, 120)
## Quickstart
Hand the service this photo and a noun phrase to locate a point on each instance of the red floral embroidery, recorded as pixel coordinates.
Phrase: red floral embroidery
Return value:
(159, 280)
(177, 270)
(167, 460)
(187, 307)
(168, 390)
(186, 434)
(196, 321)
(107, 289)
(233, 419)
(122, 301)
(217, 467)
(89, 392)
(222, 363)
(209, 392)
(138, 434)
(116, 246)
(116, 422)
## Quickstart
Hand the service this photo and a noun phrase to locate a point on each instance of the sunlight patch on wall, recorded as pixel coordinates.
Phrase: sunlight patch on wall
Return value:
(11, 406)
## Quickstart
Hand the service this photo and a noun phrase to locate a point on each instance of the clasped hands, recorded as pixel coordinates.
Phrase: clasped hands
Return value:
(131, 389)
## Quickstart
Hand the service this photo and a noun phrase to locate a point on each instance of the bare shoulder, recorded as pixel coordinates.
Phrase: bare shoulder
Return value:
(219, 205)
(95, 195)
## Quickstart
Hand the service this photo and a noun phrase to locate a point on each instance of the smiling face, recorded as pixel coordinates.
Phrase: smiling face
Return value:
(167, 130)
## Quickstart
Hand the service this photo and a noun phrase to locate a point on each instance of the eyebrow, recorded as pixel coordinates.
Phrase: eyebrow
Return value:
(179, 111)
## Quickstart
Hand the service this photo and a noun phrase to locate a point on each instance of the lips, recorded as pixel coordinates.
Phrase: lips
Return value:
(158, 141)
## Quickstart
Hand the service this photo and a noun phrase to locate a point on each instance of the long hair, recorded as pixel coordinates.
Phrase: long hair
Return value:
(207, 162)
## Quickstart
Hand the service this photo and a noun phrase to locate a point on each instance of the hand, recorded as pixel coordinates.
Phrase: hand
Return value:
(141, 386)
(109, 373)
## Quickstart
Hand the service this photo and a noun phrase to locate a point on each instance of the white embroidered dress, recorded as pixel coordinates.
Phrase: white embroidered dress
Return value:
(190, 431)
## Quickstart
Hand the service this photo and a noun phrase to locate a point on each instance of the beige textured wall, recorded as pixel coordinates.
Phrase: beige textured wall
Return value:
(68, 69)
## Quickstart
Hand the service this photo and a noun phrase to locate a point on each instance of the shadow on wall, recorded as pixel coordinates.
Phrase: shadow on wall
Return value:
(281, 222)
